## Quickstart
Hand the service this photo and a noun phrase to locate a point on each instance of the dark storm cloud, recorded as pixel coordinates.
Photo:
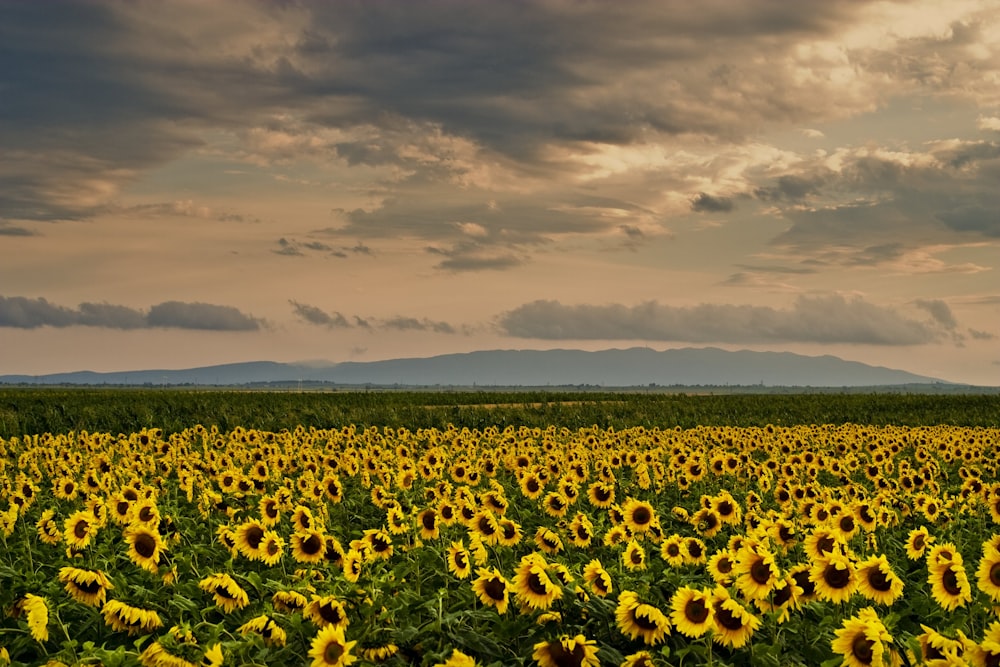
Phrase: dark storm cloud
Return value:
(14, 230)
(96, 93)
(880, 206)
(706, 203)
(28, 313)
(823, 319)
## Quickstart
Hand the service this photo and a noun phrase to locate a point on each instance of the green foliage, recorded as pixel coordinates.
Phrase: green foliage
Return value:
(54, 410)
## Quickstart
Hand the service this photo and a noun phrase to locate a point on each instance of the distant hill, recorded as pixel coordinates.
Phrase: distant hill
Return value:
(528, 368)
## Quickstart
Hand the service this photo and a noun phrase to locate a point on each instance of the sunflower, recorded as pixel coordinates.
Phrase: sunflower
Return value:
(270, 510)
(510, 532)
(721, 565)
(329, 648)
(396, 521)
(638, 659)
(634, 556)
(380, 653)
(225, 591)
(548, 540)
(834, 577)
(79, 529)
(144, 546)
(380, 543)
(949, 584)
(272, 548)
(326, 610)
(917, 542)
(308, 546)
(637, 619)
(532, 584)
(458, 560)
(937, 649)
(863, 640)
(289, 602)
(820, 543)
(38, 616)
(484, 524)
(351, 564)
(492, 589)
(531, 485)
(598, 578)
(726, 507)
(707, 522)
(639, 515)
(756, 572)
(581, 530)
(249, 536)
(122, 617)
(264, 626)
(990, 646)
(47, 528)
(988, 572)
(458, 659)
(877, 581)
(693, 551)
(145, 512)
(691, 611)
(427, 524)
(672, 550)
(567, 651)
(302, 518)
(734, 625)
(87, 587)
(555, 504)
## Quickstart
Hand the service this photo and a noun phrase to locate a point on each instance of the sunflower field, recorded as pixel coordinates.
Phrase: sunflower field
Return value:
(712, 545)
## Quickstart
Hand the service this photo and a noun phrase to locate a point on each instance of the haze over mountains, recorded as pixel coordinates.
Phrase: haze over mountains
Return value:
(528, 368)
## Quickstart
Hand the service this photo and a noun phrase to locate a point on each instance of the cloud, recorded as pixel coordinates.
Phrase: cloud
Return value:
(317, 316)
(414, 324)
(181, 315)
(14, 230)
(314, 315)
(976, 334)
(938, 310)
(27, 313)
(706, 203)
(819, 319)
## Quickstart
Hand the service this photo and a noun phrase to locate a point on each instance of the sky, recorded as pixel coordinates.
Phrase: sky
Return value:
(193, 183)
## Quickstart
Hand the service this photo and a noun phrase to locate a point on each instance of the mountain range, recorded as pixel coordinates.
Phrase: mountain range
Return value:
(526, 368)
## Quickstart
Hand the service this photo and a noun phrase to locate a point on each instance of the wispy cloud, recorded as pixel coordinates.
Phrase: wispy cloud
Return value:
(315, 315)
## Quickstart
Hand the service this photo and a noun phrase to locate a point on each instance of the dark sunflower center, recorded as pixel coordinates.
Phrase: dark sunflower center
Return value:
(694, 549)
(642, 617)
(804, 582)
(486, 526)
(636, 557)
(379, 544)
(89, 587)
(145, 545)
(725, 508)
(725, 565)
(563, 658)
(460, 561)
(224, 592)
(495, 589)
(428, 519)
(254, 535)
(536, 585)
(602, 494)
(330, 613)
(80, 529)
(532, 485)
(311, 545)
(760, 572)
(146, 514)
(728, 619)
(949, 580)
(785, 534)
(641, 516)
(862, 649)
(836, 577)
(995, 574)
(878, 580)
(824, 545)
(673, 550)
(272, 548)
(696, 611)
(332, 653)
(918, 543)
(782, 596)
(509, 530)
(271, 510)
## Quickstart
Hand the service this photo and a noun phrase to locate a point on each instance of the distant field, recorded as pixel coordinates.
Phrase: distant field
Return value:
(25, 411)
